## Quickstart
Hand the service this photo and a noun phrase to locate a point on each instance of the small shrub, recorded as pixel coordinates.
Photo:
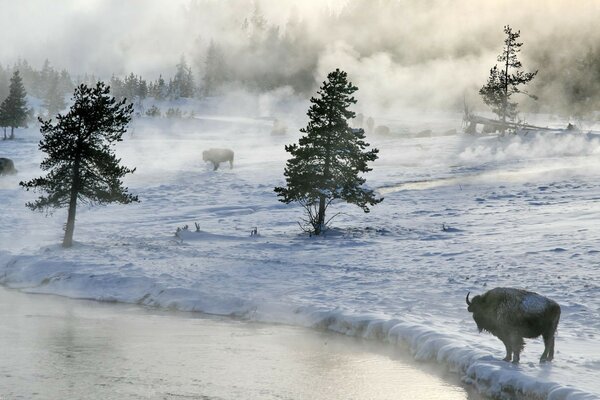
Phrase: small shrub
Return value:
(173, 113)
(181, 229)
(153, 111)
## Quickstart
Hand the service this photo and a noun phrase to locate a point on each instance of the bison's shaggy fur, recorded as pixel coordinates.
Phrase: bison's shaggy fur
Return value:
(217, 156)
(514, 314)
(7, 166)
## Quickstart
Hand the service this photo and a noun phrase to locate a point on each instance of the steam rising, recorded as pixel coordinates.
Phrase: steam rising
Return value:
(399, 53)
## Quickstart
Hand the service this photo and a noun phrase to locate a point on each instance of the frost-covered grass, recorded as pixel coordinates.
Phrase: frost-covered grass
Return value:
(460, 214)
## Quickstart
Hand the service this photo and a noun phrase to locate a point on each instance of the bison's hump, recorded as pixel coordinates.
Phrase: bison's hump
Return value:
(535, 303)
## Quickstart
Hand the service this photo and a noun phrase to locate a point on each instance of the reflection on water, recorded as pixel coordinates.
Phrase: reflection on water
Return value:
(53, 348)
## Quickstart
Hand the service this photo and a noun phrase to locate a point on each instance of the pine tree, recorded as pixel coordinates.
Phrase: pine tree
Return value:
(3, 83)
(3, 95)
(14, 107)
(183, 82)
(81, 163)
(54, 100)
(130, 87)
(65, 83)
(327, 161)
(117, 87)
(502, 84)
(215, 72)
(44, 80)
(3, 118)
(158, 89)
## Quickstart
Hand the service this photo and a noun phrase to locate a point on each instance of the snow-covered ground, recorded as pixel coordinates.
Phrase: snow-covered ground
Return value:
(460, 214)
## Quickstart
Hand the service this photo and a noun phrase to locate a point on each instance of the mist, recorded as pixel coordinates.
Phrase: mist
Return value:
(401, 54)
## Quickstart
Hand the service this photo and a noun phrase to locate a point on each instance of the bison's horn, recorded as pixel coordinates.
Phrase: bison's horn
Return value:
(468, 302)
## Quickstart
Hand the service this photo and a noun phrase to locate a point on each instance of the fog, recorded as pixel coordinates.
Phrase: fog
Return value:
(401, 54)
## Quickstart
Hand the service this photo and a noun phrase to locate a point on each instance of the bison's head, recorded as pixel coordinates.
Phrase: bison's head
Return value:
(477, 306)
(475, 303)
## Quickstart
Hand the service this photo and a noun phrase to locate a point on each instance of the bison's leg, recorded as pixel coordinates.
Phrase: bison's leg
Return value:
(517, 345)
(508, 350)
(230, 164)
(548, 353)
(215, 165)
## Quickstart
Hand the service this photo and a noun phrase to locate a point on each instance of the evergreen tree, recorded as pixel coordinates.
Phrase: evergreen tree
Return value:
(3, 83)
(44, 80)
(183, 82)
(258, 23)
(81, 163)
(29, 76)
(3, 95)
(117, 87)
(14, 107)
(159, 89)
(54, 99)
(215, 72)
(65, 83)
(130, 87)
(142, 88)
(505, 81)
(3, 118)
(326, 163)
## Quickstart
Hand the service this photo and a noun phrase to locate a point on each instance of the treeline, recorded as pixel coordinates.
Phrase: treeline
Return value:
(568, 85)
(53, 86)
(233, 44)
(135, 88)
(47, 84)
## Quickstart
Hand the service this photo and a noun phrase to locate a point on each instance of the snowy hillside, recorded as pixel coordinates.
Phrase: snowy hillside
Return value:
(460, 214)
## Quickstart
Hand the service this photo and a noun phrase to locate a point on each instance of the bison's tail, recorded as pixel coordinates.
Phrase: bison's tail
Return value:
(556, 319)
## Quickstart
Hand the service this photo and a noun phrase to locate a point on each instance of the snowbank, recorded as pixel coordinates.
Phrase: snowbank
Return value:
(491, 376)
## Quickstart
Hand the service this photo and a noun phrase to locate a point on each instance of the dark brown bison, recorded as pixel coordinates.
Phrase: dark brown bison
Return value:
(7, 166)
(217, 156)
(513, 314)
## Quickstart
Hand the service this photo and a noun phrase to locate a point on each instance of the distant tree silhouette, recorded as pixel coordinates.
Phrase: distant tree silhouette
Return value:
(504, 82)
(13, 110)
(182, 84)
(54, 99)
(3, 118)
(158, 89)
(4, 74)
(215, 70)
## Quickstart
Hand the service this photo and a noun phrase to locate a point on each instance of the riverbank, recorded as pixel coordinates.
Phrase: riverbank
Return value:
(56, 348)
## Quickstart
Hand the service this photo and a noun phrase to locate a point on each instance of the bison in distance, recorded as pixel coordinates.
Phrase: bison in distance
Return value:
(513, 314)
(7, 166)
(217, 156)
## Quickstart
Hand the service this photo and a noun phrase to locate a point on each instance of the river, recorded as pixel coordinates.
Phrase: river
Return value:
(57, 348)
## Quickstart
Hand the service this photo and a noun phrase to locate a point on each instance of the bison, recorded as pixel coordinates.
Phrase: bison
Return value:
(7, 166)
(217, 156)
(513, 314)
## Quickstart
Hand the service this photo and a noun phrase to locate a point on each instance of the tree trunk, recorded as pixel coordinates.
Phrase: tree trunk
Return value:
(320, 216)
(70, 228)
(505, 97)
(322, 199)
(12, 132)
(4, 132)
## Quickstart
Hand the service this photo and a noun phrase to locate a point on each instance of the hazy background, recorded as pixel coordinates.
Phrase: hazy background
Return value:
(400, 53)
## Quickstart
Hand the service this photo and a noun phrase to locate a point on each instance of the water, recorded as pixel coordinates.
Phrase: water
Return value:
(55, 348)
